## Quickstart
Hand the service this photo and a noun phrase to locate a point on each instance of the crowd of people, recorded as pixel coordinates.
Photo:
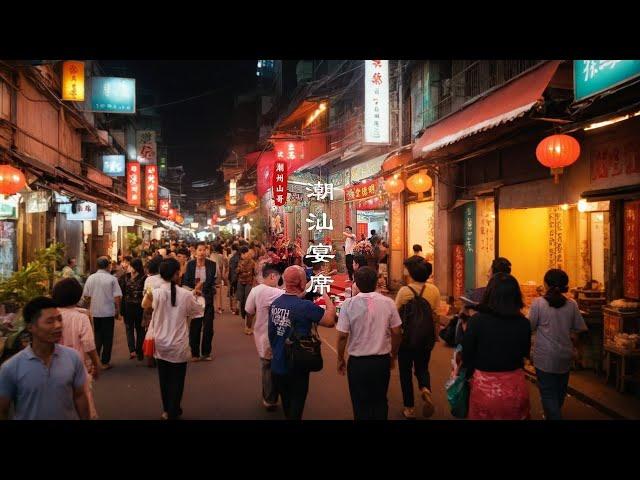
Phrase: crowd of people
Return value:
(169, 297)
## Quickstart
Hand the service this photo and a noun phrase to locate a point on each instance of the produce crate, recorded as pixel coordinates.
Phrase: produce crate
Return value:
(619, 322)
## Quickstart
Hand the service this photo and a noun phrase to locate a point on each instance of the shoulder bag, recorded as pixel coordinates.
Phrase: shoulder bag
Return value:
(304, 353)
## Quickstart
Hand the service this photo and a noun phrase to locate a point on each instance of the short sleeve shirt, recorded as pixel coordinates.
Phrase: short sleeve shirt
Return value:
(41, 393)
(288, 310)
(259, 303)
(102, 287)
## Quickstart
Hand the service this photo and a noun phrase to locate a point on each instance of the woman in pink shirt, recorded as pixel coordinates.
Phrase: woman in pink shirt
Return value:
(77, 332)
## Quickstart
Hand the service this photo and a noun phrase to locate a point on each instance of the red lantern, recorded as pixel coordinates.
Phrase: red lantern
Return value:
(419, 183)
(557, 152)
(394, 184)
(11, 180)
(179, 218)
(172, 214)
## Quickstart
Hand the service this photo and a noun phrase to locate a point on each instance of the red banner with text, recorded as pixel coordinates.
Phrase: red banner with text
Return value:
(133, 183)
(279, 185)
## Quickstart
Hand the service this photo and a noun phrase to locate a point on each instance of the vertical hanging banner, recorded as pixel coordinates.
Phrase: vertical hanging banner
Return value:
(151, 186)
(376, 102)
(146, 147)
(133, 183)
(233, 192)
(469, 228)
(631, 250)
(458, 271)
(73, 81)
(163, 207)
(279, 182)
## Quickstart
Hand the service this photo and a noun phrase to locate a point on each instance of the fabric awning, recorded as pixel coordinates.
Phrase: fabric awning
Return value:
(502, 105)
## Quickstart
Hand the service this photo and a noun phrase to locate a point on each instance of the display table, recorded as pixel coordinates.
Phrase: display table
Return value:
(624, 356)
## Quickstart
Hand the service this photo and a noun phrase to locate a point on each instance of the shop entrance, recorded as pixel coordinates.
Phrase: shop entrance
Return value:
(420, 228)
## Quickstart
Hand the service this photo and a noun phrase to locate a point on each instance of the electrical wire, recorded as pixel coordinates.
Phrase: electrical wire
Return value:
(210, 92)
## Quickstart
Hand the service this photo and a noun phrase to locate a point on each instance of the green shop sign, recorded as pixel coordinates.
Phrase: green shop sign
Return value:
(469, 229)
(595, 76)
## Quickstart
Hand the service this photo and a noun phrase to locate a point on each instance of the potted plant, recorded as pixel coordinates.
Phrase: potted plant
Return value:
(365, 248)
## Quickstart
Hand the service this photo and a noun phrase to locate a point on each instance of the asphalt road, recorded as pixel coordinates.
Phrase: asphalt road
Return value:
(229, 387)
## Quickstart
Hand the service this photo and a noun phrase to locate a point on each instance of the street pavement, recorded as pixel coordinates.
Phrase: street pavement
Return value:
(229, 387)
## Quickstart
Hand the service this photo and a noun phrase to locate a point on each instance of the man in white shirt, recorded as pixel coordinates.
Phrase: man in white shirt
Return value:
(349, 243)
(258, 303)
(371, 324)
(104, 294)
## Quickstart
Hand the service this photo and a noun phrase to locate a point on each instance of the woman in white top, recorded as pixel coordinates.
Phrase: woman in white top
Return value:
(173, 309)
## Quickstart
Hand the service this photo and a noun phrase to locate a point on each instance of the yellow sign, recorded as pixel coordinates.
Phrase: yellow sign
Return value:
(73, 81)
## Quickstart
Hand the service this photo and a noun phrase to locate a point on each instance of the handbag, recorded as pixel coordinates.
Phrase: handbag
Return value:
(458, 395)
(149, 343)
(304, 353)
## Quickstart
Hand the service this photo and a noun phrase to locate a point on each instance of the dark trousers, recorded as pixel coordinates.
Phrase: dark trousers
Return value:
(349, 261)
(171, 377)
(553, 391)
(418, 360)
(368, 384)
(269, 393)
(293, 389)
(133, 314)
(242, 295)
(103, 336)
(203, 325)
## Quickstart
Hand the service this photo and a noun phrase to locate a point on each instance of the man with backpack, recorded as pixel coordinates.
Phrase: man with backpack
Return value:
(417, 304)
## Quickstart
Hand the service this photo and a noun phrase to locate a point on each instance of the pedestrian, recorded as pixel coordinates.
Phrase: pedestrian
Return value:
(290, 314)
(556, 320)
(104, 295)
(222, 265)
(359, 260)
(370, 323)
(173, 309)
(132, 308)
(499, 265)
(382, 266)
(495, 344)
(246, 277)
(415, 354)
(349, 243)
(182, 257)
(70, 269)
(201, 277)
(77, 332)
(234, 259)
(46, 380)
(258, 304)
(417, 250)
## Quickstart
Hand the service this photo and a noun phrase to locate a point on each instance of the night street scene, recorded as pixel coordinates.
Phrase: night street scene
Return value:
(353, 240)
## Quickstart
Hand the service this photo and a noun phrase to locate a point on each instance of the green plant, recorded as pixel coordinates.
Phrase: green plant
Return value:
(134, 242)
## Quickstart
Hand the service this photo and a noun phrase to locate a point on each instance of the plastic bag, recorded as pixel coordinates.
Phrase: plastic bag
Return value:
(458, 395)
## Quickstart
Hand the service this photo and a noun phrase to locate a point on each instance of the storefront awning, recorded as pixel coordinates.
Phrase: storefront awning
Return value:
(501, 105)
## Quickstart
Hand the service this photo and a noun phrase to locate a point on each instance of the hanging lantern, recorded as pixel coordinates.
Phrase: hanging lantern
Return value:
(419, 183)
(11, 180)
(251, 198)
(557, 152)
(179, 218)
(172, 214)
(394, 184)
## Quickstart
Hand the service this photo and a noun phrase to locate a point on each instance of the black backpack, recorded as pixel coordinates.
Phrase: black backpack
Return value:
(418, 329)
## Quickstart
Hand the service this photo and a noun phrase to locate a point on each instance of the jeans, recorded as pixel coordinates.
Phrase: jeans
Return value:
(419, 361)
(553, 390)
(269, 393)
(171, 377)
(133, 314)
(368, 384)
(103, 336)
(243, 294)
(293, 389)
(349, 261)
(204, 326)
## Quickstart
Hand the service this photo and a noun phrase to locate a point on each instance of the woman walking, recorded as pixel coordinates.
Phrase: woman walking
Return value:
(222, 265)
(133, 313)
(173, 309)
(496, 341)
(555, 319)
(246, 277)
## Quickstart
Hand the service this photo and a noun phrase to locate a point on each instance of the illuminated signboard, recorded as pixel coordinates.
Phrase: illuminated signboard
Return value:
(151, 186)
(113, 95)
(133, 183)
(376, 102)
(595, 76)
(279, 185)
(84, 211)
(113, 165)
(163, 207)
(73, 81)
(146, 147)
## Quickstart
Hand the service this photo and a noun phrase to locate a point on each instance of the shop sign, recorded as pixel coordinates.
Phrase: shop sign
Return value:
(631, 251)
(113, 95)
(615, 163)
(595, 76)
(396, 224)
(376, 102)
(113, 165)
(9, 207)
(556, 234)
(133, 183)
(163, 192)
(73, 81)
(458, 271)
(318, 221)
(163, 207)
(367, 169)
(37, 202)
(84, 211)
(291, 151)
(233, 192)
(279, 184)
(361, 191)
(151, 186)
(146, 147)
(469, 230)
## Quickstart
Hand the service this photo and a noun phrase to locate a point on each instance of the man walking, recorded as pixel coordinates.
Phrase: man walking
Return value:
(201, 277)
(104, 294)
(349, 243)
(45, 381)
(371, 324)
(258, 304)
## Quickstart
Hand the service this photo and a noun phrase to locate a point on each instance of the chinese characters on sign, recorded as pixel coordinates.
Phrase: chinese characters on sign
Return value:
(376, 102)
(596, 76)
(320, 253)
(84, 211)
(113, 165)
(556, 256)
(146, 147)
(361, 191)
(163, 207)
(279, 178)
(291, 152)
(73, 81)
(113, 95)
(469, 230)
(615, 160)
(458, 270)
(151, 186)
(631, 259)
(233, 192)
(133, 183)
